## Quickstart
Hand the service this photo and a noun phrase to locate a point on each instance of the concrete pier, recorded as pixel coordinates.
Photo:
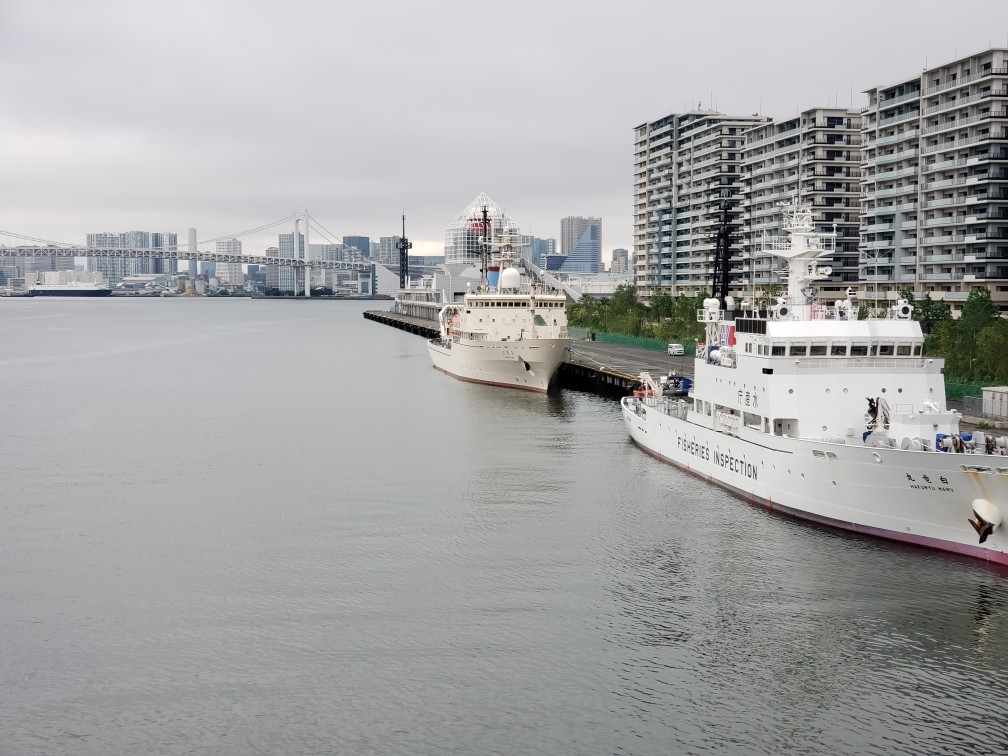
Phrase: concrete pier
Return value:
(608, 370)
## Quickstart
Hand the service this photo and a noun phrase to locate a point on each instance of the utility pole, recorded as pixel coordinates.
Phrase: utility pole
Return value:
(403, 246)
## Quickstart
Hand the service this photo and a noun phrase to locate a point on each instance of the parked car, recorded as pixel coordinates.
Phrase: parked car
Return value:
(676, 349)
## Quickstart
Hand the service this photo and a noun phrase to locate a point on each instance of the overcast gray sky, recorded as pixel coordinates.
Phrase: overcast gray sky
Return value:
(225, 116)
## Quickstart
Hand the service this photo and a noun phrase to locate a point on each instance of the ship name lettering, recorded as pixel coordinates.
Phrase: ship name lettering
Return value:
(737, 465)
(692, 446)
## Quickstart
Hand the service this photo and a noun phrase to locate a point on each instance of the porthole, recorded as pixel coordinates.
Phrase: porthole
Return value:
(790, 391)
(827, 391)
(845, 391)
(824, 429)
(899, 391)
(834, 484)
(883, 391)
(877, 456)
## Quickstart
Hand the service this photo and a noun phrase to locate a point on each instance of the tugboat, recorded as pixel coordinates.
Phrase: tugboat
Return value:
(807, 410)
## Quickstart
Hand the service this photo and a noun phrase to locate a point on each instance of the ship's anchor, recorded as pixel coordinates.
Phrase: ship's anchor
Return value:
(986, 518)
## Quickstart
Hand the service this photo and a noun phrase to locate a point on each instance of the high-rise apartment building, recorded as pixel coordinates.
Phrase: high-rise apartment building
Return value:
(283, 276)
(581, 244)
(230, 273)
(685, 166)
(620, 261)
(388, 250)
(540, 248)
(361, 243)
(934, 185)
(813, 157)
(115, 268)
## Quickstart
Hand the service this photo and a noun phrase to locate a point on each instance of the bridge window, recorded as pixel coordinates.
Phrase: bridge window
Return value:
(778, 350)
(902, 350)
(886, 350)
(799, 350)
(817, 350)
(838, 350)
(859, 350)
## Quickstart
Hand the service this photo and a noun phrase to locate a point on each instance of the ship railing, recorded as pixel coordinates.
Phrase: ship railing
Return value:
(832, 363)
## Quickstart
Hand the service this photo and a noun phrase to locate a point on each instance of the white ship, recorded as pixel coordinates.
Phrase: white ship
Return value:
(506, 333)
(808, 410)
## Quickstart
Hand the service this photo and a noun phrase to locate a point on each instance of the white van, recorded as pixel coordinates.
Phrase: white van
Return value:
(676, 349)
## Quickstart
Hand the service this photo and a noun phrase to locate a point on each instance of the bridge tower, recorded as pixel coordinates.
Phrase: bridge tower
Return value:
(301, 219)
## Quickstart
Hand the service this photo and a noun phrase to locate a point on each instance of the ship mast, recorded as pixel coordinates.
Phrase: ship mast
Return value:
(485, 250)
(722, 253)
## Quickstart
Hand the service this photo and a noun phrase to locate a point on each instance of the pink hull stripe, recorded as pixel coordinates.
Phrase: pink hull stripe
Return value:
(979, 552)
(534, 389)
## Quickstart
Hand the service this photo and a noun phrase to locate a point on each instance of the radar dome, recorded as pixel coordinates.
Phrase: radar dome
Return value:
(510, 279)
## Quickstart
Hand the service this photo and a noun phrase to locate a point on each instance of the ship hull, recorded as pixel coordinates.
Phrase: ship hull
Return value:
(918, 497)
(528, 365)
(69, 292)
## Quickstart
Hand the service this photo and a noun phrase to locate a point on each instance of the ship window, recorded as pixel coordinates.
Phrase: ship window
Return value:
(885, 350)
(838, 350)
(778, 350)
(817, 350)
(903, 350)
(799, 350)
(917, 350)
(872, 350)
(859, 350)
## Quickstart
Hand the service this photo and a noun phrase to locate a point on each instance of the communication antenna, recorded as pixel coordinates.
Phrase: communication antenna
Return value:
(485, 249)
(404, 246)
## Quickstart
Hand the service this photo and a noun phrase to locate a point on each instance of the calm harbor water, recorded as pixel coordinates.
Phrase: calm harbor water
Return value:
(244, 526)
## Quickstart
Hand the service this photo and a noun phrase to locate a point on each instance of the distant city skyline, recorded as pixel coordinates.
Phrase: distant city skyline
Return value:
(203, 144)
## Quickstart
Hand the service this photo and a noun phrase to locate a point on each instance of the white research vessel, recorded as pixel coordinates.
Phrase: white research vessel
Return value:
(507, 333)
(809, 411)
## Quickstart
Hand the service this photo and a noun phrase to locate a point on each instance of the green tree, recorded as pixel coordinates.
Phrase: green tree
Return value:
(991, 362)
(661, 305)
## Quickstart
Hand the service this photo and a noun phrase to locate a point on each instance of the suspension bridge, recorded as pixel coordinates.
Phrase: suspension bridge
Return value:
(297, 255)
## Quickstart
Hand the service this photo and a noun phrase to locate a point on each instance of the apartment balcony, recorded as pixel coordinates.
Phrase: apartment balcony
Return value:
(935, 259)
(896, 156)
(895, 191)
(963, 122)
(944, 184)
(948, 221)
(898, 118)
(891, 175)
(946, 202)
(878, 244)
(943, 165)
(941, 277)
(930, 241)
(957, 82)
(908, 260)
(912, 134)
(877, 227)
(908, 224)
(909, 241)
(963, 101)
(955, 144)
(883, 104)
